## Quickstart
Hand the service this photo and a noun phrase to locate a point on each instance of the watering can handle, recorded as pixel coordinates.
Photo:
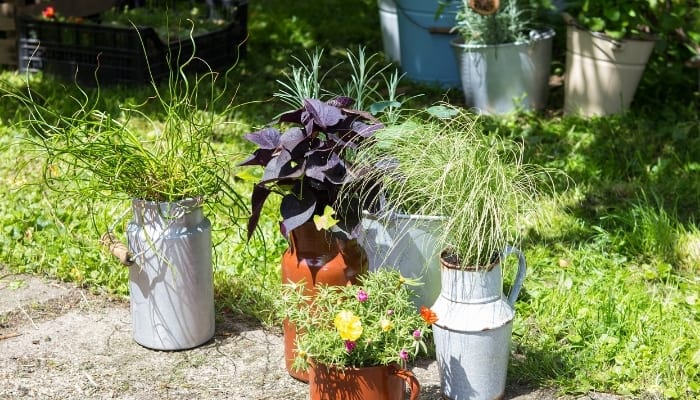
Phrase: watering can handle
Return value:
(519, 277)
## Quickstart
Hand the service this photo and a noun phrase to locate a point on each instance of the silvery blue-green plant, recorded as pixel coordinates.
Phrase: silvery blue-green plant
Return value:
(369, 83)
(512, 23)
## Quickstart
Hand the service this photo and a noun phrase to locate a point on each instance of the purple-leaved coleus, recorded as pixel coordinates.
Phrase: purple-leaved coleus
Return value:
(308, 163)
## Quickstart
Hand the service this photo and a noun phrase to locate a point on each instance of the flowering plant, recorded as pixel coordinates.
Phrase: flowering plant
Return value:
(369, 324)
(50, 14)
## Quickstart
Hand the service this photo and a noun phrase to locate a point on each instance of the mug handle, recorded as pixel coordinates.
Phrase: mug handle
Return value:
(410, 380)
(519, 277)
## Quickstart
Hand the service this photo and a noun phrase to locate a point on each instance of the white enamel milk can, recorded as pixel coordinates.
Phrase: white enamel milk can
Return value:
(473, 331)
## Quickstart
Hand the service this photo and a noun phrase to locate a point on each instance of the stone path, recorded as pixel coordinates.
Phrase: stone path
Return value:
(60, 342)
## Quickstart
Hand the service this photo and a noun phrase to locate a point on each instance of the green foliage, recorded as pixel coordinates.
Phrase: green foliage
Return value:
(96, 154)
(448, 167)
(368, 82)
(171, 21)
(512, 23)
(369, 324)
(606, 306)
(594, 319)
(667, 20)
(618, 18)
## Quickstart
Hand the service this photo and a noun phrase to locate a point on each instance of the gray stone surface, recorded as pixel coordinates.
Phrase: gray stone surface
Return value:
(60, 342)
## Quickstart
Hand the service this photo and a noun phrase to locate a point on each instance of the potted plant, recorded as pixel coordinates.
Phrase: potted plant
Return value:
(403, 237)
(168, 170)
(608, 46)
(307, 165)
(356, 340)
(481, 188)
(504, 57)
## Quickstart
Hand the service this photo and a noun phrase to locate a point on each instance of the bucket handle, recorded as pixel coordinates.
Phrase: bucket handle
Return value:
(519, 277)
(411, 381)
(435, 30)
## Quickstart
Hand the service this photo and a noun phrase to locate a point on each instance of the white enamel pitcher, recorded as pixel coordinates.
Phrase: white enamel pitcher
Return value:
(473, 331)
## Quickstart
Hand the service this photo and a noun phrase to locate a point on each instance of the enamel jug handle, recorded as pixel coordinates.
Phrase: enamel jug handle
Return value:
(411, 381)
(520, 277)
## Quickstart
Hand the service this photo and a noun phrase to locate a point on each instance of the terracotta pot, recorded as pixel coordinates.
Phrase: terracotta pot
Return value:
(385, 382)
(317, 257)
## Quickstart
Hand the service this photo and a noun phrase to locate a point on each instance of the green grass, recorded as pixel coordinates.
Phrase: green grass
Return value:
(611, 302)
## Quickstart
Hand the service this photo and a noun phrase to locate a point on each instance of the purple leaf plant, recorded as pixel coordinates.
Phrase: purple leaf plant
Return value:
(310, 161)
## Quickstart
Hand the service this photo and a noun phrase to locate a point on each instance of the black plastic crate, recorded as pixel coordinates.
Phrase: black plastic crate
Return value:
(123, 55)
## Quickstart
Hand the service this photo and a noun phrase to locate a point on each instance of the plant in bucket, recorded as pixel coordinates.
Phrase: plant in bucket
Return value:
(482, 189)
(398, 237)
(167, 168)
(504, 57)
(608, 45)
(307, 165)
(310, 163)
(356, 340)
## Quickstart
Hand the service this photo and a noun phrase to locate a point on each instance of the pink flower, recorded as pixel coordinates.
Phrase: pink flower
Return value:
(417, 334)
(403, 354)
(389, 312)
(350, 346)
(362, 296)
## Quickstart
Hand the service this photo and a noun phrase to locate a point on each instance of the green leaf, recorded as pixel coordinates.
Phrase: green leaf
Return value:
(574, 338)
(696, 357)
(442, 112)
(380, 106)
(246, 176)
(612, 14)
(325, 221)
(596, 24)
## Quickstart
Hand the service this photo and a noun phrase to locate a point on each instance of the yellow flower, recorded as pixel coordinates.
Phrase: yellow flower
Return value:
(348, 325)
(386, 325)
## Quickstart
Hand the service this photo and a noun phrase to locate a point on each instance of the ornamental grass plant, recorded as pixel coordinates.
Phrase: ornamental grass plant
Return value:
(93, 153)
(370, 324)
(448, 166)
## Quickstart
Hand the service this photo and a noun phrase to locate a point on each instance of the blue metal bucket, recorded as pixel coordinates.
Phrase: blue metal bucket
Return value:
(426, 54)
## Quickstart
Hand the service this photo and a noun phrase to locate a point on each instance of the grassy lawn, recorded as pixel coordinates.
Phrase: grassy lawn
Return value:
(612, 298)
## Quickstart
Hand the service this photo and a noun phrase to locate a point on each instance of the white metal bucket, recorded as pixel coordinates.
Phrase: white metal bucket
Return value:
(171, 279)
(602, 74)
(499, 79)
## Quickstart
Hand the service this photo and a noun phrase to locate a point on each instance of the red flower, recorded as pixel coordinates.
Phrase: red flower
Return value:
(49, 13)
(428, 315)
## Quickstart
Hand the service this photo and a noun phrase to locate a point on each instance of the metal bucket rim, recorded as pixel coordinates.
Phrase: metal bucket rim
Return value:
(545, 34)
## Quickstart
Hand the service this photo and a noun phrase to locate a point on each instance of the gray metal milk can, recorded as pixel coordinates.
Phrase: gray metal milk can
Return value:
(171, 279)
(473, 331)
